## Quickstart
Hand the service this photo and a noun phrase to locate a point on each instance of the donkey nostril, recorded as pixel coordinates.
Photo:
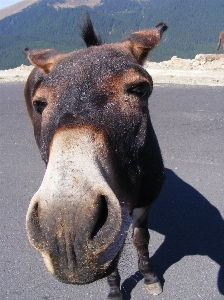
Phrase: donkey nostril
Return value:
(35, 216)
(33, 227)
(101, 216)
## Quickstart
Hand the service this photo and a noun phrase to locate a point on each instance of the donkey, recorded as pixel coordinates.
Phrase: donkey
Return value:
(221, 40)
(89, 111)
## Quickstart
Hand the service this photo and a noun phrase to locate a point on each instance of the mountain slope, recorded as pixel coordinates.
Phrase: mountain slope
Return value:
(18, 7)
(192, 29)
(15, 8)
(76, 3)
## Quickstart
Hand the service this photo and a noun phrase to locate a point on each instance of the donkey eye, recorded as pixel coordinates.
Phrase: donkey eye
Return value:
(141, 90)
(39, 106)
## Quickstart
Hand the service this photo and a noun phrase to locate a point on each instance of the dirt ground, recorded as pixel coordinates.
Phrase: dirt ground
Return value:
(205, 69)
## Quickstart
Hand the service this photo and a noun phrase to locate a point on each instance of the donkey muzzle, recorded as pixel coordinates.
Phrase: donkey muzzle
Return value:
(75, 219)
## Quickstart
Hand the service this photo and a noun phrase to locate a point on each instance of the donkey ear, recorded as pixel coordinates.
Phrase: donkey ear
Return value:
(44, 59)
(140, 43)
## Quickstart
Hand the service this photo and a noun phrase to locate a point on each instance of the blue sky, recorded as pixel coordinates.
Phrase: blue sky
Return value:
(5, 3)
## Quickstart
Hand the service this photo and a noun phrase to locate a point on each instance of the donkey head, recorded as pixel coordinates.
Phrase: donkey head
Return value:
(89, 110)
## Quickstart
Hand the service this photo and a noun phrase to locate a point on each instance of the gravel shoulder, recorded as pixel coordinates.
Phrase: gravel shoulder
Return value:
(205, 69)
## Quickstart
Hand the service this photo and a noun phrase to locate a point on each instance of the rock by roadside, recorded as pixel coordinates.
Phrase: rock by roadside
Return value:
(18, 74)
(205, 69)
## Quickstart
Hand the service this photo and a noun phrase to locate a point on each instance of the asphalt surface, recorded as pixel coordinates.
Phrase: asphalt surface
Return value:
(186, 222)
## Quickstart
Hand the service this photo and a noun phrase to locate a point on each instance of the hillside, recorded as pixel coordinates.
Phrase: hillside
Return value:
(15, 8)
(76, 3)
(18, 7)
(193, 28)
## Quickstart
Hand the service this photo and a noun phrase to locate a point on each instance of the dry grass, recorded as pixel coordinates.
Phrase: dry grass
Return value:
(15, 8)
(76, 3)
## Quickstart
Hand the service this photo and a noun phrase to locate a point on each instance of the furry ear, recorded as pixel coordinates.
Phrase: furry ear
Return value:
(140, 43)
(44, 59)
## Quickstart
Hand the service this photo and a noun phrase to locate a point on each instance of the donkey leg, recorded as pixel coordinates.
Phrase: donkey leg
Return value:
(114, 280)
(141, 241)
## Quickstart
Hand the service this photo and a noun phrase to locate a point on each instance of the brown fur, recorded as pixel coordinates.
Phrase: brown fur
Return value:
(221, 40)
(89, 110)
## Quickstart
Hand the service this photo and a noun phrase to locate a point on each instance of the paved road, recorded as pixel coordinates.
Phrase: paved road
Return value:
(186, 223)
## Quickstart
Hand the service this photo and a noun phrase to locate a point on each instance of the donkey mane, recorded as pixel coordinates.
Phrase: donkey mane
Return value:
(88, 33)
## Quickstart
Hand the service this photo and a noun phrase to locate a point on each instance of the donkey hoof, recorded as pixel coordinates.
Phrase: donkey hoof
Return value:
(115, 295)
(154, 288)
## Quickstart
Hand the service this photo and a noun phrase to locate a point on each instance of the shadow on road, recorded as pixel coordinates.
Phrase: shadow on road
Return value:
(191, 226)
